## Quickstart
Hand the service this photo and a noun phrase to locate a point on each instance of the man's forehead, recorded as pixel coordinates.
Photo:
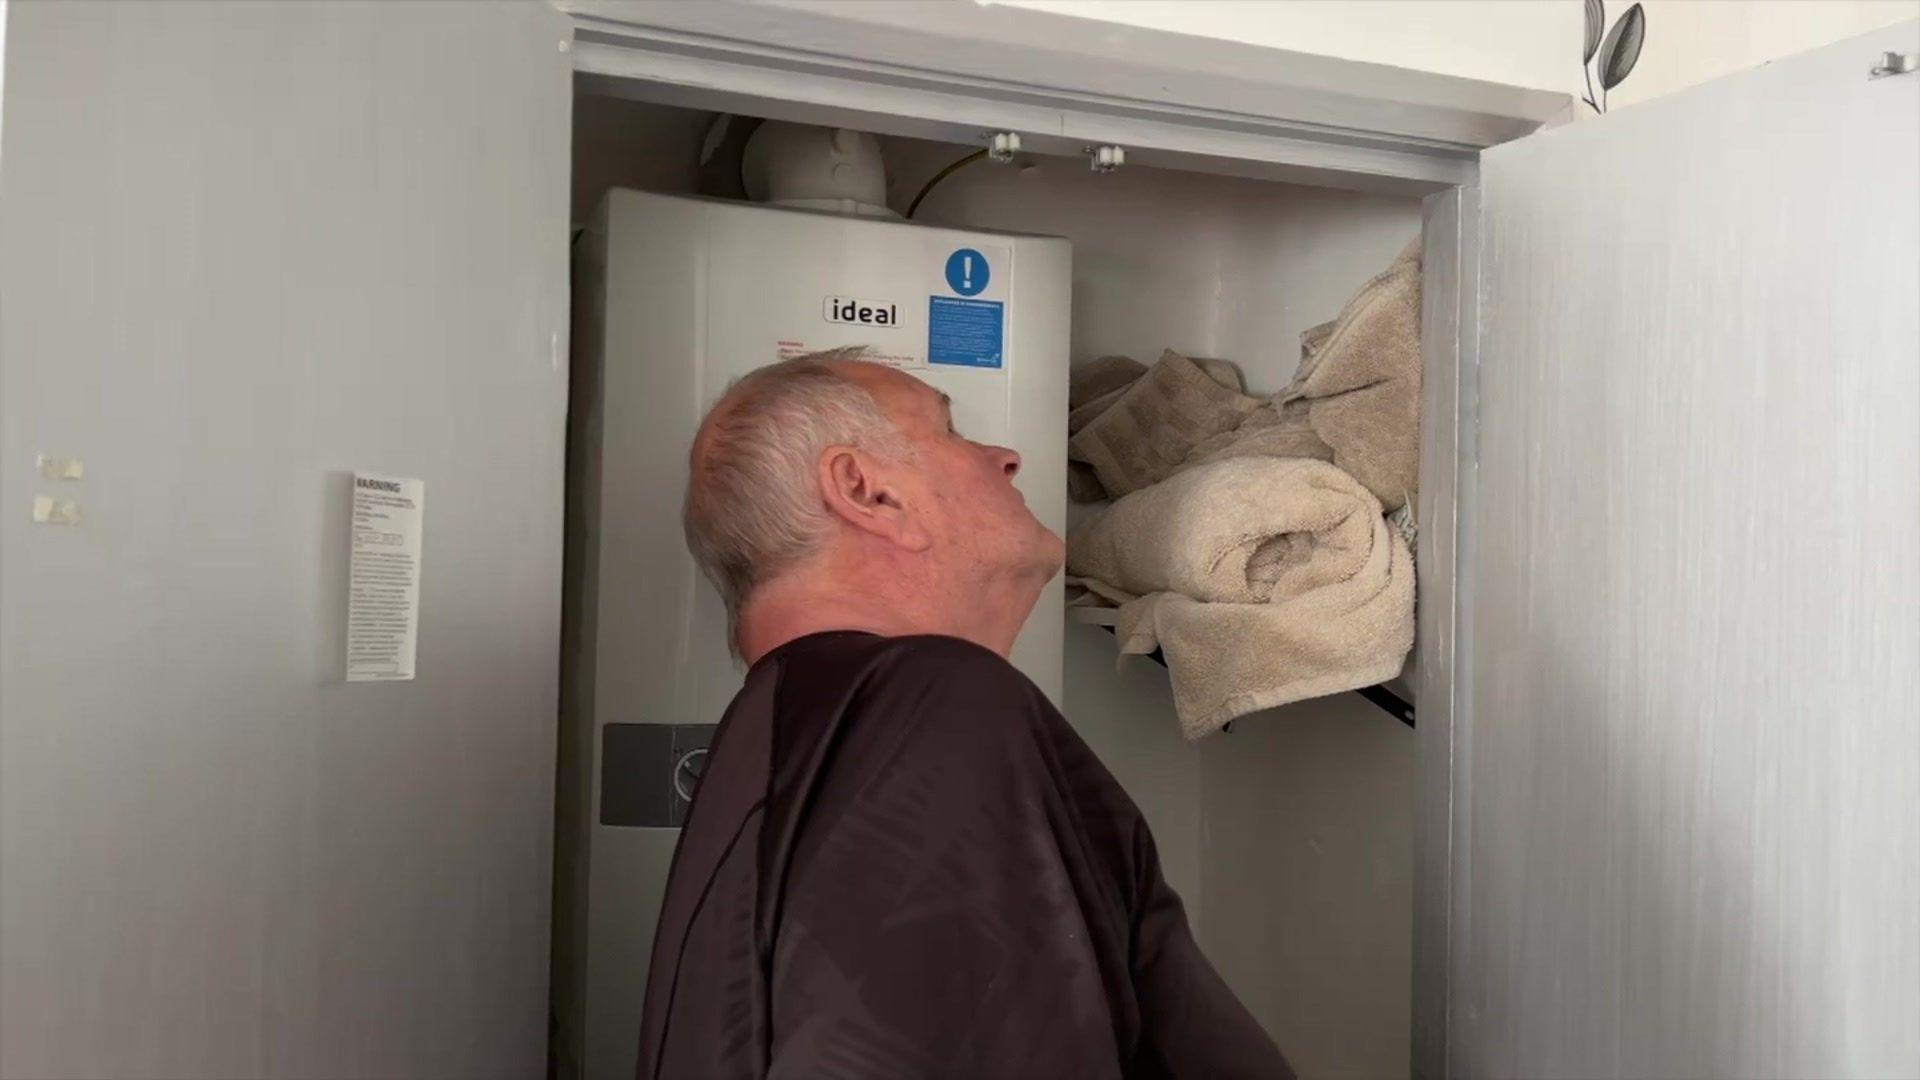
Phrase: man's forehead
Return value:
(937, 401)
(930, 394)
(919, 399)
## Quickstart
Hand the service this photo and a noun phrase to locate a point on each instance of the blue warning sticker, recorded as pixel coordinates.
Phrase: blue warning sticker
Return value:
(965, 333)
(967, 272)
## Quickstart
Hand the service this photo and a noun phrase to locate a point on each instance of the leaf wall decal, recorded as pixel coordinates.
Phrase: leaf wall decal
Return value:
(1596, 25)
(1622, 48)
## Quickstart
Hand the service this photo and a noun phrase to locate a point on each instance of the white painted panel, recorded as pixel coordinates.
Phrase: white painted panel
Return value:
(244, 250)
(1692, 789)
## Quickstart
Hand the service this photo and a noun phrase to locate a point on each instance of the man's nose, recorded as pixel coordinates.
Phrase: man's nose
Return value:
(1009, 460)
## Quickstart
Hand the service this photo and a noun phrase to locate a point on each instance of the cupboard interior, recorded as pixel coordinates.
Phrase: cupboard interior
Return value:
(1291, 836)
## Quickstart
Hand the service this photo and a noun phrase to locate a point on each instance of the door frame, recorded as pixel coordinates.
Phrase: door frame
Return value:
(1449, 328)
(958, 73)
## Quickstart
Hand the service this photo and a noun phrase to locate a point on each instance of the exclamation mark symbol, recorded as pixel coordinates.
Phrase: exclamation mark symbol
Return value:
(966, 272)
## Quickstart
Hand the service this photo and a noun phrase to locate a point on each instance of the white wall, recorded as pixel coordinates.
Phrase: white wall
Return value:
(244, 249)
(1307, 896)
(1291, 838)
(1520, 42)
(1535, 43)
(633, 144)
(1692, 41)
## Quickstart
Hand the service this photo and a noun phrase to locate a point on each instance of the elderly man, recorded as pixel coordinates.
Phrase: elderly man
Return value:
(902, 862)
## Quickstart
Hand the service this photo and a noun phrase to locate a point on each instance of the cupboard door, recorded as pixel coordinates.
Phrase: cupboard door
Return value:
(245, 250)
(1687, 801)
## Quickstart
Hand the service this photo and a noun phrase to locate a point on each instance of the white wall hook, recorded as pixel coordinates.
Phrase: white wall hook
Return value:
(1002, 146)
(1894, 63)
(1106, 159)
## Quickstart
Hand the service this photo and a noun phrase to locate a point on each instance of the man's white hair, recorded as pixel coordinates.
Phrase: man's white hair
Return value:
(754, 506)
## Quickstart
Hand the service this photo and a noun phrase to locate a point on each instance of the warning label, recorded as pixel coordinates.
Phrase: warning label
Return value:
(965, 333)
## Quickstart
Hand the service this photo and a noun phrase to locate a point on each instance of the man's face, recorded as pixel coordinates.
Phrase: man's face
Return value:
(961, 490)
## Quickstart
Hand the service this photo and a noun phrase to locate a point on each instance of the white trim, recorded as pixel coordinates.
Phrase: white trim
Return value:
(721, 86)
(1450, 296)
(958, 71)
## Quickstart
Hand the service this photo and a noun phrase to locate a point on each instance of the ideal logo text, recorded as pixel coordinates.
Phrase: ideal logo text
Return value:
(846, 309)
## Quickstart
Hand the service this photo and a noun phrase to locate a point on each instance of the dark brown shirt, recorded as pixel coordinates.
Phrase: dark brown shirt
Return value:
(903, 863)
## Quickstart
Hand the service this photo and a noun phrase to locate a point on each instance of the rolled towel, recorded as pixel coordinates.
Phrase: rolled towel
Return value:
(1263, 580)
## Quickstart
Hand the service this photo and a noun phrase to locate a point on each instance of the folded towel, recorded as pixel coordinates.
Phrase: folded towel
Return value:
(1143, 432)
(1272, 430)
(1359, 378)
(1094, 386)
(1263, 580)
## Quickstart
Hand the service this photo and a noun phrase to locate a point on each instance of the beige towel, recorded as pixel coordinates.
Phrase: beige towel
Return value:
(1151, 425)
(1272, 430)
(1359, 378)
(1263, 580)
(1092, 388)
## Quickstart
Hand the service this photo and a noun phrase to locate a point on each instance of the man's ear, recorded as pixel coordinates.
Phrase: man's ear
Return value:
(863, 492)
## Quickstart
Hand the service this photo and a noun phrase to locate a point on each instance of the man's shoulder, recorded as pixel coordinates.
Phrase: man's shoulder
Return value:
(938, 658)
(961, 677)
(929, 689)
(920, 659)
